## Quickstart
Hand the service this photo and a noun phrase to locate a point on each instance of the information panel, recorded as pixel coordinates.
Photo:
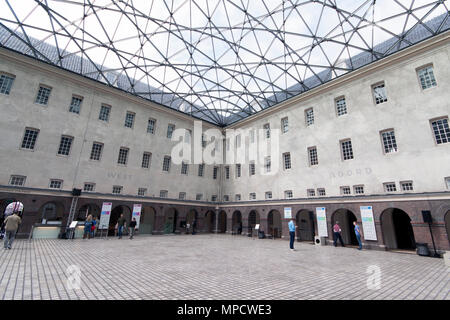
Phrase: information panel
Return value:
(105, 215)
(368, 223)
(137, 213)
(322, 222)
(287, 213)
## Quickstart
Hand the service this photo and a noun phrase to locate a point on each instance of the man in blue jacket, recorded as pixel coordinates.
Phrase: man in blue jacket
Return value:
(292, 228)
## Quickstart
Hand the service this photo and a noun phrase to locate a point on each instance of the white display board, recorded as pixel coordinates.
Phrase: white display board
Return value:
(137, 208)
(322, 222)
(368, 223)
(287, 213)
(105, 216)
(257, 226)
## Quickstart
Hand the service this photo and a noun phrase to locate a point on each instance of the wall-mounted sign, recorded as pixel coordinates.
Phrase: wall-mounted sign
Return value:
(287, 213)
(368, 223)
(105, 215)
(322, 222)
(137, 214)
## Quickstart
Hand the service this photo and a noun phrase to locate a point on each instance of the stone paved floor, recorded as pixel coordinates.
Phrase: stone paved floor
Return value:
(213, 267)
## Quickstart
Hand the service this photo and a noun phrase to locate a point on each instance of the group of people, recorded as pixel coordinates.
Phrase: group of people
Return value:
(90, 226)
(336, 234)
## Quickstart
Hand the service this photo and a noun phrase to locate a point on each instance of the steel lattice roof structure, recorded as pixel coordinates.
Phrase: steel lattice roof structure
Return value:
(217, 60)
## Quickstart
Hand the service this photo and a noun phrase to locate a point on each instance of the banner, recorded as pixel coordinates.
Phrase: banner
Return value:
(105, 215)
(137, 214)
(368, 223)
(287, 213)
(322, 222)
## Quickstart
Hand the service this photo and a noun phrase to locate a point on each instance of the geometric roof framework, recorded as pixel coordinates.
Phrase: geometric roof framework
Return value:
(218, 60)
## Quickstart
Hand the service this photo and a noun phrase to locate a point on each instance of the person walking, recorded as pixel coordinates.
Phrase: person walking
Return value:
(87, 227)
(12, 223)
(132, 227)
(292, 228)
(337, 234)
(358, 234)
(121, 224)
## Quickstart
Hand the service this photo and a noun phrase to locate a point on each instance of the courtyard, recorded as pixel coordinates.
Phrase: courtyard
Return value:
(202, 267)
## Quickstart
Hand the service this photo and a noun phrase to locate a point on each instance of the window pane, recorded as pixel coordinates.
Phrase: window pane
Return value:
(29, 138)
(389, 143)
(426, 76)
(104, 113)
(64, 145)
(5, 84)
(43, 95)
(75, 105)
(441, 131)
(379, 92)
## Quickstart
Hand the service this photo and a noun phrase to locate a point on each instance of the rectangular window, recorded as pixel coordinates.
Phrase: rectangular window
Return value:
(17, 181)
(426, 77)
(146, 158)
(166, 163)
(252, 196)
(117, 189)
(227, 172)
(390, 187)
(311, 192)
(170, 130)
(321, 192)
(238, 170)
(75, 104)
(252, 168)
(151, 126)
(29, 138)
(215, 170)
(129, 119)
(288, 194)
(89, 187)
(237, 197)
(65, 145)
(198, 196)
(184, 168)
(123, 156)
(341, 106)
(407, 185)
(55, 184)
(347, 150)
(43, 95)
(226, 198)
(447, 182)
(268, 195)
(163, 194)
(312, 156)
(379, 93)
(287, 160)
(104, 112)
(182, 196)
(96, 151)
(6, 82)
(441, 130)
(389, 142)
(267, 130)
(267, 164)
(345, 191)
(201, 169)
(142, 192)
(284, 125)
(214, 198)
(358, 189)
(309, 116)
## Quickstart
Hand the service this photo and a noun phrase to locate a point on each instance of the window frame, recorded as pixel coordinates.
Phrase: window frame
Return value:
(72, 139)
(48, 97)
(11, 76)
(418, 69)
(383, 147)
(336, 108)
(92, 149)
(81, 98)
(23, 137)
(14, 176)
(56, 180)
(127, 156)
(375, 85)
(106, 107)
(433, 132)
(341, 142)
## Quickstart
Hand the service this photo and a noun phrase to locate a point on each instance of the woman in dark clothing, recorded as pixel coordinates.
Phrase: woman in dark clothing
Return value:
(132, 227)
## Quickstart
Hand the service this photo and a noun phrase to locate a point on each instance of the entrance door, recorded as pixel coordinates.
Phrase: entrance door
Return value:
(305, 223)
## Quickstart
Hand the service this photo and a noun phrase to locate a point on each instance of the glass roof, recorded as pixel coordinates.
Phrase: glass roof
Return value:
(218, 60)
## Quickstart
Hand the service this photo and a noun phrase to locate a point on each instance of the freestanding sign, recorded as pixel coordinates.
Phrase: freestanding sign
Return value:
(287, 213)
(105, 215)
(137, 213)
(368, 223)
(322, 222)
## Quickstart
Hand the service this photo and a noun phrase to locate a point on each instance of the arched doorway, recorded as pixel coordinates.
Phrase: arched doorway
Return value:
(345, 220)
(253, 220)
(170, 220)
(305, 223)
(3, 204)
(397, 229)
(88, 209)
(274, 224)
(236, 222)
(447, 224)
(222, 227)
(52, 213)
(115, 214)
(210, 221)
(147, 221)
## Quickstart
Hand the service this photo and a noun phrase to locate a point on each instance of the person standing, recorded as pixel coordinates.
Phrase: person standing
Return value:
(194, 226)
(94, 225)
(12, 223)
(358, 234)
(337, 234)
(132, 227)
(87, 227)
(292, 228)
(121, 224)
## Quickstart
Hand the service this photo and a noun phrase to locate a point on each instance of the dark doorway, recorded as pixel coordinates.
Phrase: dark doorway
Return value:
(397, 229)
(253, 220)
(447, 224)
(210, 221)
(88, 209)
(115, 214)
(305, 223)
(170, 221)
(147, 221)
(274, 224)
(236, 222)
(345, 219)
(222, 228)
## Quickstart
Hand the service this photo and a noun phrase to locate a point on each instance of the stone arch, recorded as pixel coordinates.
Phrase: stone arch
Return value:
(115, 214)
(305, 224)
(147, 221)
(274, 224)
(236, 223)
(170, 220)
(51, 212)
(397, 229)
(222, 223)
(345, 217)
(86, 209)
(210, 221)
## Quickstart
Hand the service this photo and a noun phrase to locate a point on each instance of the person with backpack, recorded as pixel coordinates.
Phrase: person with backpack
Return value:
(87, 227)
(121, 224)
(132, 227)
(12, 223)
